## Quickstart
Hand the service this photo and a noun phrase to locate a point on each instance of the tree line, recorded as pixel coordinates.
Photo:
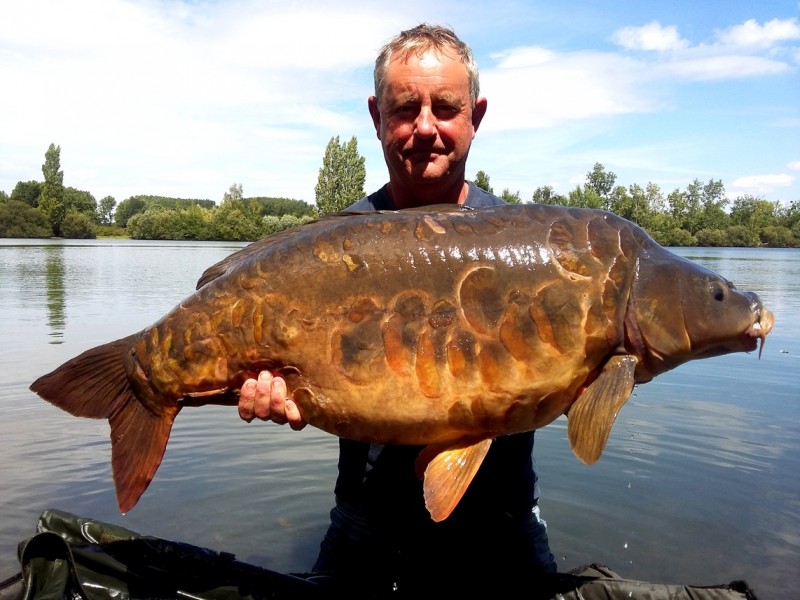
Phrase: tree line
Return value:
(699, 215)
(49, 209)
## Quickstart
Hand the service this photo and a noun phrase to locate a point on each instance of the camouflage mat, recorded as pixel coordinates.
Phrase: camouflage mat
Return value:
(79, 558)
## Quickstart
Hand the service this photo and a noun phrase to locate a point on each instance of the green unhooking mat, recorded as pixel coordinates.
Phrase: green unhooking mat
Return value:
(82, 559)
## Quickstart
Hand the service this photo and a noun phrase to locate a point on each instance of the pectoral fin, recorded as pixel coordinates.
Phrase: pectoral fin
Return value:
(593, 413)
(447, 472)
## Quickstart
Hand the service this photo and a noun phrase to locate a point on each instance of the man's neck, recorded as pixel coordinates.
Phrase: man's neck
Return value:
(405, 197)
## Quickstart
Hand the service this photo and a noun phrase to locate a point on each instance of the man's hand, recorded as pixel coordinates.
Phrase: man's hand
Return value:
(266, 399)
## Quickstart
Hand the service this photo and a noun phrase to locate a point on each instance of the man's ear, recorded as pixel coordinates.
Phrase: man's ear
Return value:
(478, 112)
(372, 104)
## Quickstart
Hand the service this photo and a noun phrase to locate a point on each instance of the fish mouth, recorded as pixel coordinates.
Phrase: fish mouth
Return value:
(761, 328)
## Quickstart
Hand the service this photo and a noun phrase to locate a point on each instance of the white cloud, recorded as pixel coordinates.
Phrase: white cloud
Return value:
(182, 98)
(733, 56)
(794, 165)
(750, 33)
(723, 66)
(531, 88)
(159, 89)
(652, 36)
(524, 57)
(761, 184)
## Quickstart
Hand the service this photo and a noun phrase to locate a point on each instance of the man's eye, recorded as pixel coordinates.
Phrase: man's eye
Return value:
(446, 111)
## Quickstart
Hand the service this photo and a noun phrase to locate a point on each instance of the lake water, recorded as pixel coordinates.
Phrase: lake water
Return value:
(699, 483)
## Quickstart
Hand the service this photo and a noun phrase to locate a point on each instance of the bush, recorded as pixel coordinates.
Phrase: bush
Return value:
(19, 220)
(711, 237)
(193, 223)
(110, 231)
(154, 224)
(742, 237)
(675, 237)
(78, 226)
(776, 236)
(231, 224)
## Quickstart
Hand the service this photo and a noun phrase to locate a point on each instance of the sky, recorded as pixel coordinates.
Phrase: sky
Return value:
(186, 98)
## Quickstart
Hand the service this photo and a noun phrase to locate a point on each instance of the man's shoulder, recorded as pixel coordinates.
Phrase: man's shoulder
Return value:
(375, 201)
(479, 198)
(379, 200)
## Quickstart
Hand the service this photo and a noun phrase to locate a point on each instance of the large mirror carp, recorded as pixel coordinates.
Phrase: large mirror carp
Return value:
(440, 327)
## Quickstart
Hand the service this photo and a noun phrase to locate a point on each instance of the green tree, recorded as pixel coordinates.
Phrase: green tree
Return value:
(249, 207)
(585, 197)
(742, 237)
(662, 227)
(229, 223)
(714, 201)
(52, 199)
(711, 237)
(754, 213)
(235, 219)
(511, 198)
(640, 203)
(193, 223)
(656, 203)
(482, 181)
(777, 236)
(547, 195)
(790, 215)
(105, 210)
(128, 208)
(622, 203)
(156, 223)
(234, 196)
(284, 206)
(19, 220)
(272, 224)
(80, 201)
(687, 207)
(601, 182)
(676, 237)
(27, 192)
(78, 226)
(341, 177)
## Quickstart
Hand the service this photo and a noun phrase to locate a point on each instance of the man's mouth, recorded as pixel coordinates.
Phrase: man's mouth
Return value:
(422, 155)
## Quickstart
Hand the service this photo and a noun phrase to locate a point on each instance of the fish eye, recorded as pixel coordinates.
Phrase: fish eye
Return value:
(718, 293)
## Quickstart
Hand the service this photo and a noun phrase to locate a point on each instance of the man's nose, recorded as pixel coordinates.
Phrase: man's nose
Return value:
(425, 125)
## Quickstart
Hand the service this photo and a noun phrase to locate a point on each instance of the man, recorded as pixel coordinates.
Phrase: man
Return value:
(426, 111)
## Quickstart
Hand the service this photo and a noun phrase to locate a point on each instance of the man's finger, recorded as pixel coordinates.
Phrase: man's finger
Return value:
(277, 400)
(296, 421)
(245, 404)
(262, 401)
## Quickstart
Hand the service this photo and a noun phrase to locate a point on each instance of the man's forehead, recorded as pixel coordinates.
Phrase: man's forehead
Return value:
(401, 80)
(425, 56)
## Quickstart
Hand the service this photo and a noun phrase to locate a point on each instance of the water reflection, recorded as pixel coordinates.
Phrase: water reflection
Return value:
(56, 292)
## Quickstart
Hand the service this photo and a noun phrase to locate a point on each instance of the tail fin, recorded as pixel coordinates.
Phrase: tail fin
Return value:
(95, 385)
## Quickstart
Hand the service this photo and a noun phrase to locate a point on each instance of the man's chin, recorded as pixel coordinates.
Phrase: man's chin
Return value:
(426, 173)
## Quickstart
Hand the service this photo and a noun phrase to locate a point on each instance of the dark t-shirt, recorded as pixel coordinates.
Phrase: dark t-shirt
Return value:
(476, 198)
(380, 481)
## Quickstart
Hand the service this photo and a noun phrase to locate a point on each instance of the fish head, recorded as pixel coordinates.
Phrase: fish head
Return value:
(681, 311)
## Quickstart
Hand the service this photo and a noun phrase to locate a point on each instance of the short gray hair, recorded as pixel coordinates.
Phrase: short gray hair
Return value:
(419, 40)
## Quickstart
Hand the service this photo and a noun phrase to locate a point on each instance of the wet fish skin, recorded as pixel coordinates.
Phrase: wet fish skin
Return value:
(442, 328)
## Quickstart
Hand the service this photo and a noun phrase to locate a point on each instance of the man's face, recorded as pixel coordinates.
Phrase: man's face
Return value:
(425, 120)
